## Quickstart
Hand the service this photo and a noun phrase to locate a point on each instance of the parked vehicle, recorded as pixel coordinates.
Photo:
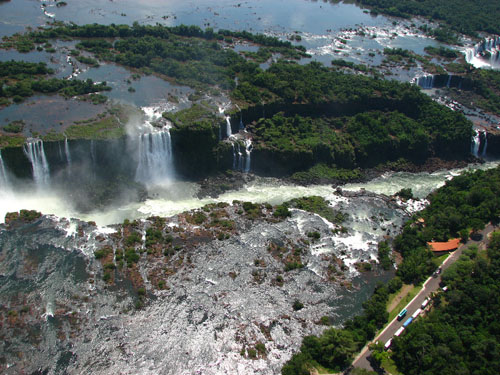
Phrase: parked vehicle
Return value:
(402, 314)
(408, 322)
(388, 344)
(425, 303)
(416, 313)
(399, 331)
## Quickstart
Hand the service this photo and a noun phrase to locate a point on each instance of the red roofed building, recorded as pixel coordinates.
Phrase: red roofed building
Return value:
(450, 245)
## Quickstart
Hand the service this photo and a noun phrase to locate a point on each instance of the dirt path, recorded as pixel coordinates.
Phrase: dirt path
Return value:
(402, 294)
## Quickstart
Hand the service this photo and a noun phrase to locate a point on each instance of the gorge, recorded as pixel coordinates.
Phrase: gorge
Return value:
(198, 199)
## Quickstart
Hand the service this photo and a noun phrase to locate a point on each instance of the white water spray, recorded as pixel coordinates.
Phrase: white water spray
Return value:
(34, 151)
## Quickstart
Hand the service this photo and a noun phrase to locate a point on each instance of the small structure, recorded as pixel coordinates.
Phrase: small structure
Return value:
(443, 247)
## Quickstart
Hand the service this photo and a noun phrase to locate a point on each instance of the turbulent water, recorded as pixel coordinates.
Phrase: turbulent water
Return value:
(180, 196)
(216, 305)
(219, 303)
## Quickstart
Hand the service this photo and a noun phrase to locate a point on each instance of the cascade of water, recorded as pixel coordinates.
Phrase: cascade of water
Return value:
(92, 151)
(234, 156)
(248, 150)
(34, 151)
(228, 126)
(487, 48)
(4, 178)
(155, 157)
(449, 81)
(485, 144)
(426, 81)
(240, 157)
(66, 151)
(476, 142)
(59, 151)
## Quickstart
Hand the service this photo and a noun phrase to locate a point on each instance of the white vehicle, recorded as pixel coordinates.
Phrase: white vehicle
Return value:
(399, 331)
(388, 344)
(425, 303)
(416, 313)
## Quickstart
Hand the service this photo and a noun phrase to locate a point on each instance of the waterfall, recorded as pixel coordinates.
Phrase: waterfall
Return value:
(4, 178)
(449, 81)
(33, 150)
(426, 81)
(155, 157)
(248, 150)
(228, 126)
(483, 154)
(476, 142)
(484, 53)
(92, 151)
(234, 156)
(66, 151)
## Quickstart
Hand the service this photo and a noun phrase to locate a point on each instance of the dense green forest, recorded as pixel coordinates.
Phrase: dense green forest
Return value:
(465, 203)
(464, 16)
(20, 80)
(352, 119)
(461, 334)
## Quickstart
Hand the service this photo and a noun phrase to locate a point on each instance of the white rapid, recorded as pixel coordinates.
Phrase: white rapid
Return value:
(181, 196)
(485, 53)
(34, 151)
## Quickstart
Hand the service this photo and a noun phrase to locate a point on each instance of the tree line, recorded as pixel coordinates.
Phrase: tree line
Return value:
(461, 334)
(466, 202)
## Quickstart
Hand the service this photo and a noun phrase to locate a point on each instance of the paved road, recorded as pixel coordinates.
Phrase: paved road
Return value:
(431, 285)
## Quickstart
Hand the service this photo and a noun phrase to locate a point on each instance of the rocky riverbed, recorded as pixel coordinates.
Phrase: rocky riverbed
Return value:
(227, 289)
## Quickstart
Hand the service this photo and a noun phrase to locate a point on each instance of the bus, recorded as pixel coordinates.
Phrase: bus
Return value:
(402, 314)
(388, 344)
(408, 322)
(399, 331)
(425, 303)
(416, 313)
